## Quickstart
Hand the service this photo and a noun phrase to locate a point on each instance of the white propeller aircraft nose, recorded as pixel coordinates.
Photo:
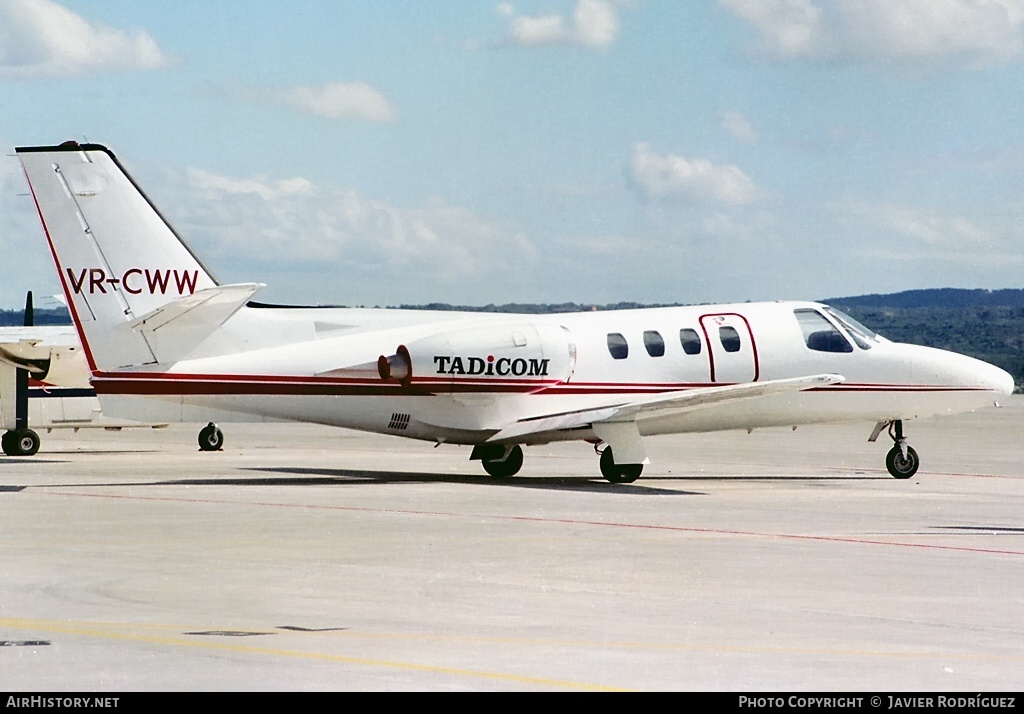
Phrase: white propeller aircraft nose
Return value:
(155, 322)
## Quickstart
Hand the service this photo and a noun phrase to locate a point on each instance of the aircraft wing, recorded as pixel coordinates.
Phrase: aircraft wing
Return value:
(24, 354)
(32, 348)
(675, 402)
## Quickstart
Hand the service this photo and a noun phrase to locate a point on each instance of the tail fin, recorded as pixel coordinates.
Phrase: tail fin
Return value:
(118, 258)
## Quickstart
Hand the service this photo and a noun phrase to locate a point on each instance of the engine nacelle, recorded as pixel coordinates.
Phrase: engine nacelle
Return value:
(510, 355)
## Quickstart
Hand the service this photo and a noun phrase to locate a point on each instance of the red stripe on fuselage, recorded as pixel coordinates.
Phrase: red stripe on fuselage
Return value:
(210, 384)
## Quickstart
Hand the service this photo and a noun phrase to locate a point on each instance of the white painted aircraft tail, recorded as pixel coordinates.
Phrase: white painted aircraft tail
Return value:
(137, 291)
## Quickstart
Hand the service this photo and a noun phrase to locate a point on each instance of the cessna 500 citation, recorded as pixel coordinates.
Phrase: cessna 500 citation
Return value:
(154, 322)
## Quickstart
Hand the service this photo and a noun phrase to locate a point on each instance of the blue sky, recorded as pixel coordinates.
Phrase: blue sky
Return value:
(591, 151)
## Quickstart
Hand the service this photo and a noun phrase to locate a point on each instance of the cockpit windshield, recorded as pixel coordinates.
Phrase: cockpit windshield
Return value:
(860, 334)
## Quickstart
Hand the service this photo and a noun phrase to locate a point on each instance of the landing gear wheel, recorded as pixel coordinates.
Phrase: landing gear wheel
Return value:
(902, 466)
(211, 438)
(509, 467)
(21, 442)
(618, 473)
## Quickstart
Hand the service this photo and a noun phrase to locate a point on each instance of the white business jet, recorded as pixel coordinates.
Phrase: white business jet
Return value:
(155, 322)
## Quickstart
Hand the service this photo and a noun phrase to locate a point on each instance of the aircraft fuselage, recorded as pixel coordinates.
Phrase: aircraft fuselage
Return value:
(469, 376)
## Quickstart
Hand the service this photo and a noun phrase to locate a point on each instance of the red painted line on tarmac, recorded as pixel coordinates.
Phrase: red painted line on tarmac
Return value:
(565, 521)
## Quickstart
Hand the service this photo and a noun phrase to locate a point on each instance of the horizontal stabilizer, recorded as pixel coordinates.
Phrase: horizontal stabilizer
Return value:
(209, 307)
(177, 327)
(675, 402)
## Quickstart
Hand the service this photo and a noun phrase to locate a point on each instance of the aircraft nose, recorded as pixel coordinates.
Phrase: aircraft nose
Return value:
(937, 366)
(986, 377)
(995, 379)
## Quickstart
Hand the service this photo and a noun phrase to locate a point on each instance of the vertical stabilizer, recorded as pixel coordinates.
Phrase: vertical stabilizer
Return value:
(117, 256)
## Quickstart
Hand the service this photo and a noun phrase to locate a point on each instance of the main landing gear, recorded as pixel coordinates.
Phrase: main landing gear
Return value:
(20, 442)
(505, 461)
(211, 438)
(901, 461)
(617, 473)
(499, 461)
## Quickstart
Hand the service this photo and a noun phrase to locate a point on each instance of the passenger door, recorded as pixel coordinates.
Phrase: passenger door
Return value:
(732, 351)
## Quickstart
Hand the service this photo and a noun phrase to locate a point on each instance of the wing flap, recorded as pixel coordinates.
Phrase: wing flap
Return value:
(675, 402)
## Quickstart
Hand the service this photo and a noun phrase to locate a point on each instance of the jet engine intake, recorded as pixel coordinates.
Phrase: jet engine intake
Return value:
(397, 366)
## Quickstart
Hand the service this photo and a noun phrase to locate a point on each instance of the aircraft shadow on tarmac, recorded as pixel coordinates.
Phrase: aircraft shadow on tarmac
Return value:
(595, 484)
(299, 476)
(555, 483)
(304, 476)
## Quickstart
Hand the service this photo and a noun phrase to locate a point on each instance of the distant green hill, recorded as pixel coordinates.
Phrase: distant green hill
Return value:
(937, 297)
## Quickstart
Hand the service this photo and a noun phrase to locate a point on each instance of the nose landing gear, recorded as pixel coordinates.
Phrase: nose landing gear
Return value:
(901, 461)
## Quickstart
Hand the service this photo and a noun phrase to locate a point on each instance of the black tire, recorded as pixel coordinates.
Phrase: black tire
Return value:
(509, 467)
(618, 473)
(23, 442)
(900, 467)
(211, 438)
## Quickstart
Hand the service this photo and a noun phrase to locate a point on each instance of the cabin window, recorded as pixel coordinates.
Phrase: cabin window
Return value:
(730, 338)
(690, 341)
(617, 346)
(820, 334)
(654, 343)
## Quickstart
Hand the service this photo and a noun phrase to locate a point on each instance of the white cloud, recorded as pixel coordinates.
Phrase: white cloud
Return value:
(593, 24)
(739, 127)
(337, 100)
(914, 234)
(272, 228)
(678, 178)
(978, 31)
(266, 189)
(40, 38)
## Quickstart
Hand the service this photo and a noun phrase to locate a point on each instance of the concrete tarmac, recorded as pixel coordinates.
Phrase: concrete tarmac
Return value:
(308, 558)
